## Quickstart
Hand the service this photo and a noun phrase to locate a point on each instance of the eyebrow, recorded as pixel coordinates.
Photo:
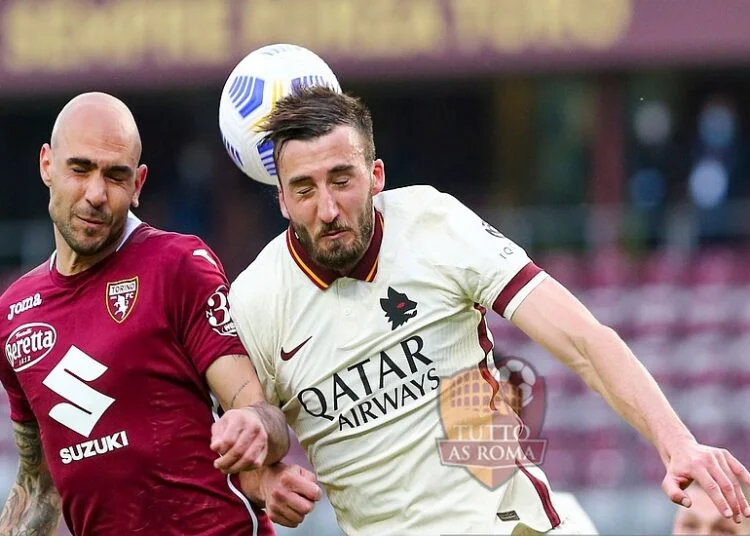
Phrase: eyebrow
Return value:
(335, 170)
(88, 164)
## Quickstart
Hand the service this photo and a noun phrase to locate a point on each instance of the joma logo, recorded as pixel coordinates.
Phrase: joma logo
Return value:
(24, 305)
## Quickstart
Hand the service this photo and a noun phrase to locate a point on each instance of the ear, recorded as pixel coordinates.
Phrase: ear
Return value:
(140, 179)
(282, 203)
(378, 176)
(45, 163)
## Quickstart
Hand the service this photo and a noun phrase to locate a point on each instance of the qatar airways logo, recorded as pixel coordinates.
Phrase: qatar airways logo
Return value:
(29, 344)
(375, 387)
(24, 305)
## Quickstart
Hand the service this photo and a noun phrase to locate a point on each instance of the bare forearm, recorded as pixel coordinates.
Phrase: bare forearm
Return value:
(25, 515)
(250, 482)
(631, 390)
(33, 504)
(278, 433)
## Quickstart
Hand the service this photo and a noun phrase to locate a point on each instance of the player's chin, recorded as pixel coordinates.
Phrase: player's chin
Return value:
(91, 245)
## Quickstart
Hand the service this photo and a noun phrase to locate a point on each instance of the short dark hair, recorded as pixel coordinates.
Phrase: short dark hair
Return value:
(314, 111)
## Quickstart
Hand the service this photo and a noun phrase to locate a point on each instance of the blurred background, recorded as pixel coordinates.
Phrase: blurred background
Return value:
(610, 138)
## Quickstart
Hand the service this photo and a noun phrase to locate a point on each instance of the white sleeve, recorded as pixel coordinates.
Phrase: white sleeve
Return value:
(248, 320)
(488, 267)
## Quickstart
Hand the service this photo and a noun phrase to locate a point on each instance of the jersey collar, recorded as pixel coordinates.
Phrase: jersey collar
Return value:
(131, 224)
(365, 270)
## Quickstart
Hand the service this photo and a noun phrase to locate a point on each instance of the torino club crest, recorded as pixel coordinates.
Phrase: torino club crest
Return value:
(492, 415)
(121, 298)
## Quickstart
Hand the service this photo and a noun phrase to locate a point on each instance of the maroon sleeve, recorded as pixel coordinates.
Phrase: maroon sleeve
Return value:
(20, 411)
(199, 291)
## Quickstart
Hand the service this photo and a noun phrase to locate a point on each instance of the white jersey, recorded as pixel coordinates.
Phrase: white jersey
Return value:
(356, 363)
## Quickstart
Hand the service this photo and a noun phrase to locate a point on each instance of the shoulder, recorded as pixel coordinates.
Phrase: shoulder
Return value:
(266, 269)
(171, 248)
(27, 284)
(422, 207)
(420, 201)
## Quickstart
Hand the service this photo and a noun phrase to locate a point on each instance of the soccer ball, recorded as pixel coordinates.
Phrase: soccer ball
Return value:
(520, 375)
(258, 81)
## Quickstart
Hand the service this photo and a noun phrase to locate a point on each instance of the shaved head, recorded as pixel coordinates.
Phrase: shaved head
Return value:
(91, 167)
(101, 109)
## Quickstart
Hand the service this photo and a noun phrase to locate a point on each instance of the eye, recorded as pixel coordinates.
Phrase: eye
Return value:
(341, 181)
(78, 170)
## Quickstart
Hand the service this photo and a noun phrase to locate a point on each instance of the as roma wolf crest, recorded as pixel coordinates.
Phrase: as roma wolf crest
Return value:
(121, 298)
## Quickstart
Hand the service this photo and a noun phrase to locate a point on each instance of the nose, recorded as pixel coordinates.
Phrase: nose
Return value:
(328, 208)
(96, 190)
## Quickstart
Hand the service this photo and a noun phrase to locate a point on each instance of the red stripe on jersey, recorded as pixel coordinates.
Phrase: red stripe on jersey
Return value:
(484, 339)
(486, 344)
(544, 496)
(520, 280)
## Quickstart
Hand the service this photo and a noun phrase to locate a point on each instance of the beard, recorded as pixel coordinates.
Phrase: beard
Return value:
(85, 242)
(339, 256)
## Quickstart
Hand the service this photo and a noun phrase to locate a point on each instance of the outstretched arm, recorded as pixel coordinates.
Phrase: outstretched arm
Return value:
(554, 318)
(33, 505)
(252, 432)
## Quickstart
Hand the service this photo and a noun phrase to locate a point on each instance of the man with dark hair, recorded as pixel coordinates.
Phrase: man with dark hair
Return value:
(361, 315)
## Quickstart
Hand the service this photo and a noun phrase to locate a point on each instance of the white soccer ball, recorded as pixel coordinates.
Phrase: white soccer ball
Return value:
(261, 79)
(521, 375)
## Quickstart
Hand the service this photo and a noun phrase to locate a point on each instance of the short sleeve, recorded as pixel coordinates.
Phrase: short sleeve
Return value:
(490, 269)
(200, 306)
(20, 410)
(249, 322)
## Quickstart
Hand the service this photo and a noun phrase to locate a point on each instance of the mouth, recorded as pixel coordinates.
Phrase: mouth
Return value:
(91, 221)
(333, 235)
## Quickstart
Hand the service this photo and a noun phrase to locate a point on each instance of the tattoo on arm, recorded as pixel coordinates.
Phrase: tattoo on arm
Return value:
(237, 393)
(33, 504)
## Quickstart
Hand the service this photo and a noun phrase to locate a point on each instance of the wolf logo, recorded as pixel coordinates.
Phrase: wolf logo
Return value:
(398, 308)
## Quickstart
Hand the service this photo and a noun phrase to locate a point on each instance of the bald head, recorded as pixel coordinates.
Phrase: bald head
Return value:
(92, 169)
(97, 115)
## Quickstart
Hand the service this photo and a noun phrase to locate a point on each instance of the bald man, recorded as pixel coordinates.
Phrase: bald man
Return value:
(121, 354)
(703, 519)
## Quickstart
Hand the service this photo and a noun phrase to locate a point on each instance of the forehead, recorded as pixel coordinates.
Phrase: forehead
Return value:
(95, 136)
(343, 145)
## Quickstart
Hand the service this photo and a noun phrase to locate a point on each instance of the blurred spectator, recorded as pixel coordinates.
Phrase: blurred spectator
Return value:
(703, 519)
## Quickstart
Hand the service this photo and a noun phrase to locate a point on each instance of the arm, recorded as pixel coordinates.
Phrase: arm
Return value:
(33, 505)
(554, 318)
(252, 432)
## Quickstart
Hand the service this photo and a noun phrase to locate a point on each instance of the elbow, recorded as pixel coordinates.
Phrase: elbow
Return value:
(593, 341)
(592, 345)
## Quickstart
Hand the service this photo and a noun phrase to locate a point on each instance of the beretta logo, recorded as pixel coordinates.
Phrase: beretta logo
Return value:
(29, 344)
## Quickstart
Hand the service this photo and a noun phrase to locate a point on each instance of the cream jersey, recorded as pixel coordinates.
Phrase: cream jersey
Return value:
(356, 363)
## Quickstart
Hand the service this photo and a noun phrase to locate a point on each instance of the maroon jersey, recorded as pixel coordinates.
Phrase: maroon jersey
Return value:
(111, 362)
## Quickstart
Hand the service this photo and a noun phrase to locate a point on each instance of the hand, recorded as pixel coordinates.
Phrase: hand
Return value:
(288, 491)
(241, 440)
(715, 470)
